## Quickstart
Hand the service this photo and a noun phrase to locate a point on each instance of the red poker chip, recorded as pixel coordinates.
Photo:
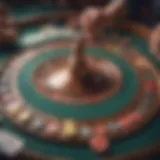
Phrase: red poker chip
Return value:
(99, 143)
(130, 119)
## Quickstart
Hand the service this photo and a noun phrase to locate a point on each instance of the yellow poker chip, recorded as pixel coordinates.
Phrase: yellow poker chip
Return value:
(24, 116)
(141, 62)
(70, 128)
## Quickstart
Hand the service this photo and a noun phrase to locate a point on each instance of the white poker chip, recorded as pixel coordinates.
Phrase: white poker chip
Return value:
(37, 124)
(85, 132)
(10, 145)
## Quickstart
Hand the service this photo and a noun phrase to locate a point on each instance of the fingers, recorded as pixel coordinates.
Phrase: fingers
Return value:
(89, 15)
(89, 22)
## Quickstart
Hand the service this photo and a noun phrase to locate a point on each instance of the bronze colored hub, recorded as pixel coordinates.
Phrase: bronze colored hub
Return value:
(78, 78)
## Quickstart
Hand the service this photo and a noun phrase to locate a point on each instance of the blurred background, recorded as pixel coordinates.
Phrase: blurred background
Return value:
(147, 11)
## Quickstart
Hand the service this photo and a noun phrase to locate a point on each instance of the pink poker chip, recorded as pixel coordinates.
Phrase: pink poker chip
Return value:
(52, 128)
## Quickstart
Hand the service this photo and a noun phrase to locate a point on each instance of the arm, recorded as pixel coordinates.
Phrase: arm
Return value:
(93, 20)
(116, 9)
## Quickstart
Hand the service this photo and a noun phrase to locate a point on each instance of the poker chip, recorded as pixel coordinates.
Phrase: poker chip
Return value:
(113, 127)
(85, 132)
(37, 123)
(52, 128)
(10, 145)
(24, 116)
(70, 128)
(130, 119)
(99, 143)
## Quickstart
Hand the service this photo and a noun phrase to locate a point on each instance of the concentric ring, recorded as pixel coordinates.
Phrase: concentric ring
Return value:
(46, 81)
(124, 124)
(74, 125)
(130, 87)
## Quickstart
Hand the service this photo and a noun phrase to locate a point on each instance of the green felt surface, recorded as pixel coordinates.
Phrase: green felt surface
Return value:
(144, 139)
(100, 110)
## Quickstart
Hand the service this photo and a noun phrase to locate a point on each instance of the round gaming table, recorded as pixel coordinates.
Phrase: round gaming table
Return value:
(130, 115)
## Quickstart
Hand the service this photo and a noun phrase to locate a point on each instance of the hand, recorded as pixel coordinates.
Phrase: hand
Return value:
(155, 41)
(92, 21)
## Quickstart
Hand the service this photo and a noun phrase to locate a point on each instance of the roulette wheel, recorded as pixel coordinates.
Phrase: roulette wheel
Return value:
(72, 99)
